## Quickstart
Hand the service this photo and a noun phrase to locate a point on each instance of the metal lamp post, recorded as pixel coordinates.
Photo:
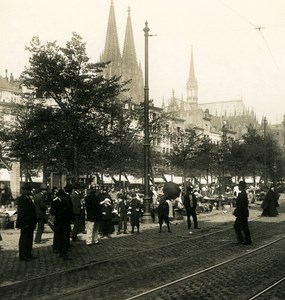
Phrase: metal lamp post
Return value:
(147, 199)
(274, 173)
(265, 154)
(221, 164)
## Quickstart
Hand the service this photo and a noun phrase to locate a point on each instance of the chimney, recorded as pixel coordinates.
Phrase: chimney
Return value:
(6, 72)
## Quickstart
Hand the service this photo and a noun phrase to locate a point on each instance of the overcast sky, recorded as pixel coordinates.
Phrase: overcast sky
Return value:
(233, 58)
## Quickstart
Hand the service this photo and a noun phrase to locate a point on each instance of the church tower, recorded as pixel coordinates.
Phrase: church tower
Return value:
(125, 65)
(112, 49)
(131, 70)
(192, 86)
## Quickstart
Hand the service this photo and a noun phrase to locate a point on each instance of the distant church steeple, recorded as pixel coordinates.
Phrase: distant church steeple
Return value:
(192, 86)
(112, 48)
(126, 65)
(129, 52)
(131, 70)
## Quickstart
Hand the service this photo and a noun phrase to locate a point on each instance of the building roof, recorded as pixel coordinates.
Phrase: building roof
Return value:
(5, 85)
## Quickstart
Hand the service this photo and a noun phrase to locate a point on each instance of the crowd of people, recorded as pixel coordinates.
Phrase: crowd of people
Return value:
(76, 209)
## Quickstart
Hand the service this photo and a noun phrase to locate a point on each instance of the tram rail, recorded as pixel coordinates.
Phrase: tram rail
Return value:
(162, 287)
(215, 243)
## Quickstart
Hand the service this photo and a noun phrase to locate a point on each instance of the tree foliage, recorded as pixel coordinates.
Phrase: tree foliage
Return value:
(86, 119)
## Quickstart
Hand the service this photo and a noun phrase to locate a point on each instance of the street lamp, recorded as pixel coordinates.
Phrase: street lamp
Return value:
(274, 173)
(221, 181)
(265, 154)
(147, 218)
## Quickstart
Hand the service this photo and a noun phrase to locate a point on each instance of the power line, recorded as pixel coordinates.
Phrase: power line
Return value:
(242, 17)
(269, 50)
(259, 28)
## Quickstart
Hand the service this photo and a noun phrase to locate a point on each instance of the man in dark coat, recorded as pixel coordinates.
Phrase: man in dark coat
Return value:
(93, 217)
(241, 213)
(135, 210)
(163, 212)
(123, 206)
(26, 221)
(190, 204)
(61, 208)
(76, 207)
(40, 206)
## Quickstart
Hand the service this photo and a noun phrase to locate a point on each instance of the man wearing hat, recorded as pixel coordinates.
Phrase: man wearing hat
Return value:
(190, 204)
(241, 213)
(26, 221)
(40, 206)
(76, 207)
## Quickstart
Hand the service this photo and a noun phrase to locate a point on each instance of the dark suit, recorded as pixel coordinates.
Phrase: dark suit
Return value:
(61, 208)
(76, 206)
(136, 207)
(123, 214)
(163, 212)
(93, 218)
(40, 206)
(241, 213)
(26, 221)
(190, 204)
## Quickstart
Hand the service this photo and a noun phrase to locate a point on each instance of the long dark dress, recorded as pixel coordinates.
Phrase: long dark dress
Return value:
(61, 208)
(106, 227)
(269, 204)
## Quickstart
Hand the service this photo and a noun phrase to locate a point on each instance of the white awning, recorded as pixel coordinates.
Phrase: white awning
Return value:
(173, 178)
(178, 179)
(4, 175)
(168, 177)
(117, 177)
(107, 179)
(158, 180)
(134, 180)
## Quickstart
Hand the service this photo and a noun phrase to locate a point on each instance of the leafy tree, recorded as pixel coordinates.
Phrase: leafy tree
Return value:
(253, 152)
(86, 119)
(185, 152)
(206, 161)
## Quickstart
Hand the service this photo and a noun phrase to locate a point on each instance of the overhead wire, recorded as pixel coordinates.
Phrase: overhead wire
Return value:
(270, 52)
(260, 31)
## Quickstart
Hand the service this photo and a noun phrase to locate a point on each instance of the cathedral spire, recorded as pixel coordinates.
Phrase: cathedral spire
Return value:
(192, 86)
(129, 52)
(131, 70)
(112, 48)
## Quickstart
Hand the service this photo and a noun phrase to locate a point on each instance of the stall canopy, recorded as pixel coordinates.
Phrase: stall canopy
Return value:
(4, 175)
(158, 180)
(134, 180)
(173, 178)
(107, 179)
(117, 178)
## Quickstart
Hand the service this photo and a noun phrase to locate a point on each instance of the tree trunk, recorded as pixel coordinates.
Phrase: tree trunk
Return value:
(75, 163)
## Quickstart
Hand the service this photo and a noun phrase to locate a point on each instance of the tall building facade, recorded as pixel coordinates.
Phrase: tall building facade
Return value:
(10, 93)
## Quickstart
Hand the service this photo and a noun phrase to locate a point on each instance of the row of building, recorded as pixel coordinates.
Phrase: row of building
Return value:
(206, 118)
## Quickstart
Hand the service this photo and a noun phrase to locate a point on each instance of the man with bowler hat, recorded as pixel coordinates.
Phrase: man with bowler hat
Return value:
(40, 206)
(190, 204)
(26, 221)
(241, 213)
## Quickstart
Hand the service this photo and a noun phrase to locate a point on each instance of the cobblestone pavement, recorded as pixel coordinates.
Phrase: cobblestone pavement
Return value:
(11, 236)
(12, 270)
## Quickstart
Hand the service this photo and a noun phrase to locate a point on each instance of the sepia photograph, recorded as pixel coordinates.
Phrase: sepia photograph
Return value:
(142, 149)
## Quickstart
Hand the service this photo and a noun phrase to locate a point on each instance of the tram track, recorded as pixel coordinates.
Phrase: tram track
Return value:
(94, 263)
(94, 274)
(267, 292)
(156, 292)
